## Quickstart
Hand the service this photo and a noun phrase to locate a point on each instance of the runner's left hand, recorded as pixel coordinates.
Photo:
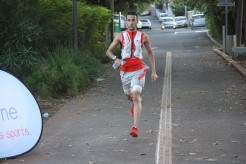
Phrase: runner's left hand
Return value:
(154, 77)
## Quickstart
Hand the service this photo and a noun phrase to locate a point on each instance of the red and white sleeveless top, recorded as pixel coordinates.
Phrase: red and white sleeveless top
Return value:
(132, 50)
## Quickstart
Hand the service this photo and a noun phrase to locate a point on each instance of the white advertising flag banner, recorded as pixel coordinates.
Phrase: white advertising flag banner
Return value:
(20, 118)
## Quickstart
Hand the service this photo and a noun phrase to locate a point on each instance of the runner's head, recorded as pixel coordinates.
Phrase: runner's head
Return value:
(132, 20)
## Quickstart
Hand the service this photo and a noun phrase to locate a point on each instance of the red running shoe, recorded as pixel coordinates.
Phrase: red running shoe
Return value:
(132, 110)
(134, 132)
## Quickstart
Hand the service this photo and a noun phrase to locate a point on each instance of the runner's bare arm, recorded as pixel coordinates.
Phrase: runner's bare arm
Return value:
(151, 57)
(113, 45)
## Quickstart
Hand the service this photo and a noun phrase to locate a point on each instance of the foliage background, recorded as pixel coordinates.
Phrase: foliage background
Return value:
(215, 15)
(123, 5)
(36, 44)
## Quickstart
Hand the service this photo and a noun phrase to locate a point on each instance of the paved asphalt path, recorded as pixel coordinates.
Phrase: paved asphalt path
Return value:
(194, 113)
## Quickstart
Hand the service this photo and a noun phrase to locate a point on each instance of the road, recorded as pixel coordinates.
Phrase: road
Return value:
(207, 101)
(194, 113)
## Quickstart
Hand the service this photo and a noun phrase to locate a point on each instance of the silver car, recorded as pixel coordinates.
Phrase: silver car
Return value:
(181, 21)
(168, 22)
(146, 23)
(162, 16)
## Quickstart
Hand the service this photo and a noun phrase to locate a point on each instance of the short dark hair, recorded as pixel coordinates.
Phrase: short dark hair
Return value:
(132, 13)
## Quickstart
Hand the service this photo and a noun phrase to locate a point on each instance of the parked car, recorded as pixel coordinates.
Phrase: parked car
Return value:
(181, 21)
(162, 26)
(139, 25)
(198, 20)
(158, 12)
(168, 22)
(145, 13)
(162, 16)
(146, 23)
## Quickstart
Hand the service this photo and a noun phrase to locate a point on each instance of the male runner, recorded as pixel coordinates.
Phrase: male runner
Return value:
(132, 68)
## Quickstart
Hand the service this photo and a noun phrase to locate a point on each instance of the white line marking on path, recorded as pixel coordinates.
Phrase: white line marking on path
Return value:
(164, 139)
(154, 48)
(183, 32)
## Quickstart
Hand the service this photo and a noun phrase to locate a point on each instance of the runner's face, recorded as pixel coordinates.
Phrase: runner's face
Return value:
(132, 22)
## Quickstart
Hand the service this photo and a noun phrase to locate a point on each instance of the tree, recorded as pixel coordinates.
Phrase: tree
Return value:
(215, 16)
(30, 29)
(123, 5)
(178, 7)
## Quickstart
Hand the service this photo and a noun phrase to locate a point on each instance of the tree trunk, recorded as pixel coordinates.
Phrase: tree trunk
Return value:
(244, 23)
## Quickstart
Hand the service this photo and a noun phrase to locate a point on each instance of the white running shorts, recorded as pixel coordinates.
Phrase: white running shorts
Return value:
(133, 81)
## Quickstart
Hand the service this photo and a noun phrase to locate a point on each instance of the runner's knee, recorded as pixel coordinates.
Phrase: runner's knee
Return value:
(136, 97)
(137, 88)
(129, 97)
(136, 91)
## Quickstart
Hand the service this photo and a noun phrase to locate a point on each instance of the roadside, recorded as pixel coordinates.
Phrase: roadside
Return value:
(67, 106)
(242, 63)
(239, 65)
(52, 105)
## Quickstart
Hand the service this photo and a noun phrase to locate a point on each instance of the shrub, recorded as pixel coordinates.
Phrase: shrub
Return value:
(65, 71)
(99, 51)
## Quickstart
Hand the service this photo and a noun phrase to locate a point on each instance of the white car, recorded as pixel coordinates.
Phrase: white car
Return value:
(158, 11)
(181, 21)
(162, 16)
(146, 23)
(139, 25)
(144, 13)
(168, 22)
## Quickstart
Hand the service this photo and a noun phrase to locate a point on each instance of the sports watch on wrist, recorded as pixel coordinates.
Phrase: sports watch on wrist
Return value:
(114, 57)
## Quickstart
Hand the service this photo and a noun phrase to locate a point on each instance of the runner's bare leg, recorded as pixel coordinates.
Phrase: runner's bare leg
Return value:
(137, 107)
(129, 97)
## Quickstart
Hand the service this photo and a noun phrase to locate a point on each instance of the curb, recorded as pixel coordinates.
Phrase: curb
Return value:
(216, 42)
(241, 69)
(230, 60)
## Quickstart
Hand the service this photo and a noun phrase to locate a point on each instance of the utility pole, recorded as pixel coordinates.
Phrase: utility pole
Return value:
(239, 22)
(226, 23)
(185, 3)
(244, 22)
(75, 34)
(112, 23)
